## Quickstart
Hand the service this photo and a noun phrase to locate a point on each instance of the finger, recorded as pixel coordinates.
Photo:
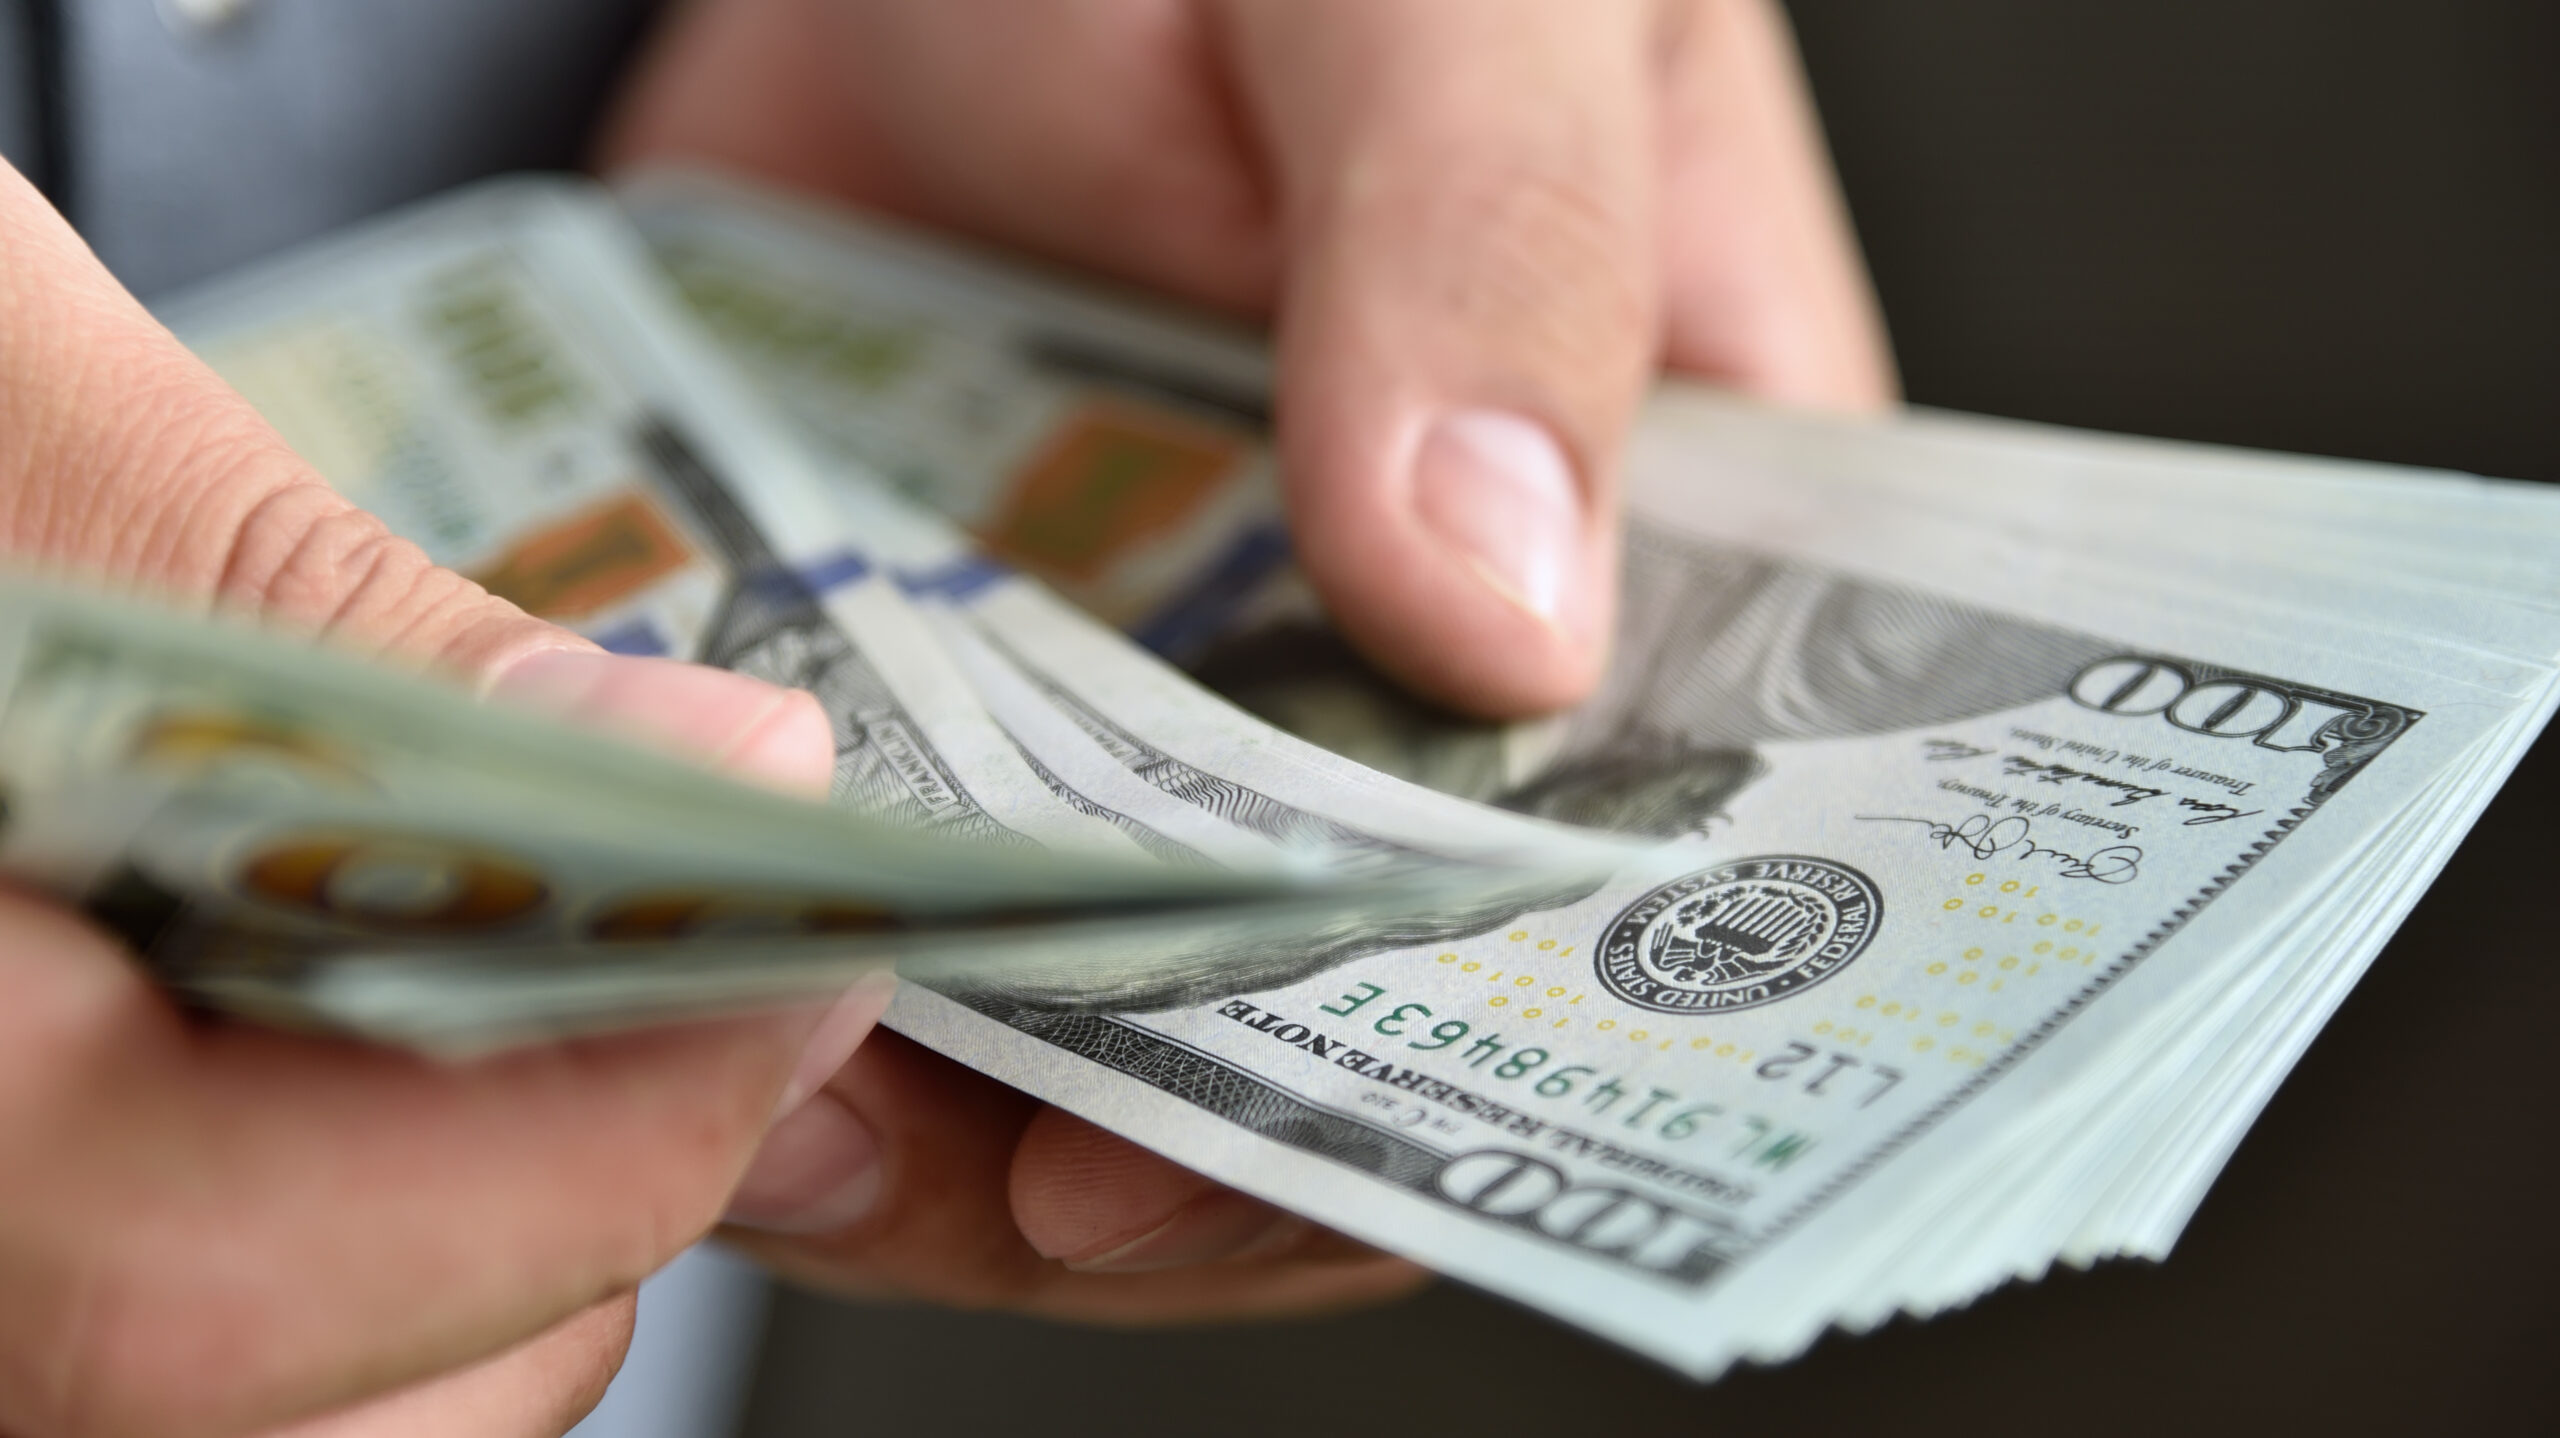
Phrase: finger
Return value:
(741, 726)
(538, 1389)
(213, 1229)
(1467, 198)
(210, 1229)
(855, 99)
(124, 457)
(1098, 1203)
(747, 727)
(1764, 287)
(818, 1169)
(943, 1224)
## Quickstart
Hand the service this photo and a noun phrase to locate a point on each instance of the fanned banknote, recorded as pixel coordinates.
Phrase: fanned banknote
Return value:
(295, 834)
(1976, 823)
(2032, 797)
(319, 841)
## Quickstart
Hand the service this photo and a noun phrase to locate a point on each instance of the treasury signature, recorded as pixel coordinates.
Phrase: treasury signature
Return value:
(1985, 837)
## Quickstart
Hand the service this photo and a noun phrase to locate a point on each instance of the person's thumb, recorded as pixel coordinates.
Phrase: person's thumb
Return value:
(124, 458)
(1469, 316)
(338, 569)
(744, 727)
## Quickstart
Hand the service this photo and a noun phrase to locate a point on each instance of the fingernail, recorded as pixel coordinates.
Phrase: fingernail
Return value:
(1216, 1228)
(818, 1172)
(847, 1023)
(1497, 488)
(757, 731)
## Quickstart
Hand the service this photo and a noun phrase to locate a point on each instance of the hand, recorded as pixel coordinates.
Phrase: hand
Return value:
(210, 1230)
(1479, 225)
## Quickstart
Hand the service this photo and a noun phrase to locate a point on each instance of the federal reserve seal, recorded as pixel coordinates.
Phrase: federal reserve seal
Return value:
(1749, 933)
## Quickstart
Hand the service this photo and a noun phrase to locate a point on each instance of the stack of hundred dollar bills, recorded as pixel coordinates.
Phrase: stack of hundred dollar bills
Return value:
(1978, 820)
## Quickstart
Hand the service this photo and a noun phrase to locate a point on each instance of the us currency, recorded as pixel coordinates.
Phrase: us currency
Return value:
(1118, 451)
(2021, 845)
(310, 838)
(567, 484)
(490, 375)
(474, 375)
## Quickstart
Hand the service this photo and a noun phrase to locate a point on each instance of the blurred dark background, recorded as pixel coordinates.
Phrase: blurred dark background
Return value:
(2319, 225)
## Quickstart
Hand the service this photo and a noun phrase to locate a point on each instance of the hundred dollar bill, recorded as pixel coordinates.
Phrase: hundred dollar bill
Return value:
(634, 492)
(308, 837)
(497, 375)
(1932, 845)
(483, 374)
(2020, 845)
(1118, 450)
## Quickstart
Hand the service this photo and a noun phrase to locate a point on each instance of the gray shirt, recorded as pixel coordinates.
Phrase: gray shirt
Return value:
(189, 145)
